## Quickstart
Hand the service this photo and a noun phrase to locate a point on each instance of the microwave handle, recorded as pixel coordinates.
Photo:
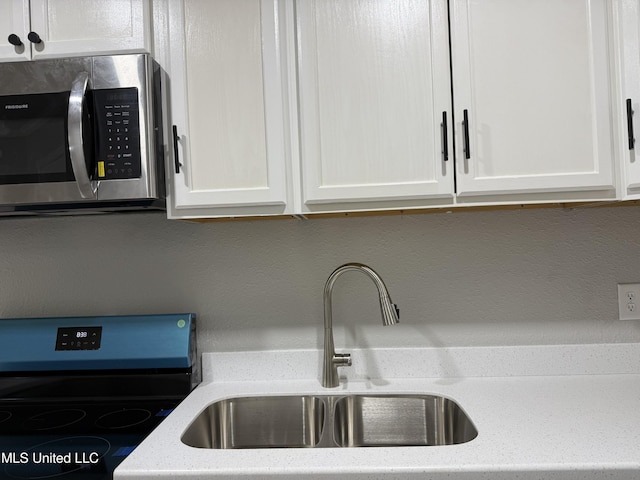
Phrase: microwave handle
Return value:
(88, 188)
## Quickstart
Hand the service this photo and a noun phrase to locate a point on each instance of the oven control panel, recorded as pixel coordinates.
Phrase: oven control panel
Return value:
(78, 338)
(131, 342)
(117, 120)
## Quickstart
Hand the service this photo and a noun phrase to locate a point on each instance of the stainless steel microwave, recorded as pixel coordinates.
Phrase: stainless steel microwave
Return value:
(80, 134)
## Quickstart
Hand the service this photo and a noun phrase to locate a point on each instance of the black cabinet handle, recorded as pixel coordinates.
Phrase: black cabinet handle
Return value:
(14, 40)
(632, 140)
(445, 138)
(34, 37)
(176, 159)
(465, 126)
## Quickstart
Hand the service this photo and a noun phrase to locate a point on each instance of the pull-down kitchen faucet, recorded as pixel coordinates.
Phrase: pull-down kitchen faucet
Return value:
(390, 316)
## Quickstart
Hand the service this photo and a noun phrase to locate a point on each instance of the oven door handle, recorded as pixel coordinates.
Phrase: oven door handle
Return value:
(88, 188)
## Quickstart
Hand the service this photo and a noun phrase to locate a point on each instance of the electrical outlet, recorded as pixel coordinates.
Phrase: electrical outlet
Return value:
(628, 301)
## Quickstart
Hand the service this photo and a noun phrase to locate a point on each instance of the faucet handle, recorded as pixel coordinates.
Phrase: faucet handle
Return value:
(342, 359)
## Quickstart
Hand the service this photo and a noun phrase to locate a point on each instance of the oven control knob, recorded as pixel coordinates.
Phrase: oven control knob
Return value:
(14, 40)
(34, 37)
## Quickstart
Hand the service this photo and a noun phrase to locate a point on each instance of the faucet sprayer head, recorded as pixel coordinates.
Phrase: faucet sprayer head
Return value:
(390, 311)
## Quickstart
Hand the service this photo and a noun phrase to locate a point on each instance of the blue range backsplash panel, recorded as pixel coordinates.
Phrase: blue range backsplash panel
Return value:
(126, 342)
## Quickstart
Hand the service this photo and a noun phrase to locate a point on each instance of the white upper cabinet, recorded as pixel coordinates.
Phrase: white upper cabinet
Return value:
(374, 102)
(311, 106)
(14, 28)
(228, 108)
(629, 101)
(57, 28)
(532, 86)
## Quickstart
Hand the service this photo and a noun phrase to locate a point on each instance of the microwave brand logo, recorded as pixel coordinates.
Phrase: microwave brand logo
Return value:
(16, 106)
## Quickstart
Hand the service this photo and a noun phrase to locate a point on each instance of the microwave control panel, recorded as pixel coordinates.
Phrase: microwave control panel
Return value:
(117, 121)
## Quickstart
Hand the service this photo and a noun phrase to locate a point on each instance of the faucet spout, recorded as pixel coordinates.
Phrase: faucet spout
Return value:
(390, 316)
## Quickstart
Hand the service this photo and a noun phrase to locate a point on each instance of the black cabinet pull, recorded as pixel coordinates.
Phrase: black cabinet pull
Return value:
(445, 138)
(15, 40)
(34, 37)
(176, 159)
(465, 126)
(632, 140)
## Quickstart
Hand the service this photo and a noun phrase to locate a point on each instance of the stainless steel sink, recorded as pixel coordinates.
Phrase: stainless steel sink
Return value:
(258, 422)
(366, 421)
(326, 421)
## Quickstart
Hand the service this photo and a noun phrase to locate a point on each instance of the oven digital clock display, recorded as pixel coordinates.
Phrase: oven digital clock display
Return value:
(78, 338)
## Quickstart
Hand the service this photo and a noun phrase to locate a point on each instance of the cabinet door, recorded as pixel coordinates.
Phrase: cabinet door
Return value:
(533, 79)
(629, 101)
(14, 20)
(227, 105)
(374, 85)
(90, 27)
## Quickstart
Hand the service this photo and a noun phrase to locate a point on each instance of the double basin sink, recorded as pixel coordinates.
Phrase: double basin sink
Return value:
(325, 421)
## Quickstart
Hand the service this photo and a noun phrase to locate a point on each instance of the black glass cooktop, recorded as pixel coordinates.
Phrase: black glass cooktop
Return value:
(74, 440)
(76, 457)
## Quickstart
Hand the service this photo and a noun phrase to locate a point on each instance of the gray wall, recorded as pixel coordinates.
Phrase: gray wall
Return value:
(475, 278)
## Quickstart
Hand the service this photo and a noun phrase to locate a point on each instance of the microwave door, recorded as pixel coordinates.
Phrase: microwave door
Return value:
(34, 161)
(46, 147)
(79, 135)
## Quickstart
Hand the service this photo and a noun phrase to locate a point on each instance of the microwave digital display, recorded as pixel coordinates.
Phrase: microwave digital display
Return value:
(121, 95)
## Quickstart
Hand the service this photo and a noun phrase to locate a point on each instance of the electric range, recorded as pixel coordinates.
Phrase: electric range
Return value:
(78, 394)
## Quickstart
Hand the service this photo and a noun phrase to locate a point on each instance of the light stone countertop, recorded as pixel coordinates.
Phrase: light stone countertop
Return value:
(548, 412)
